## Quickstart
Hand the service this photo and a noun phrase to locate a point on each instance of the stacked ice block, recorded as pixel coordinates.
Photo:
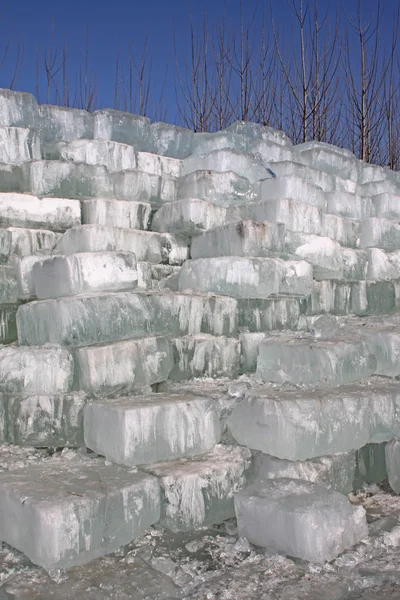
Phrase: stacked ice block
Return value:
(139, 263)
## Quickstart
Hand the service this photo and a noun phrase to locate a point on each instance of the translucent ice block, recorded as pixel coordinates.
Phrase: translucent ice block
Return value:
(340, 229)
(295, 215)
(72, 511)
(324, 180)
(8, 325)
(392, 454)
(222, 189)
(370, 464)
(170, 140)
(62, 123)
(267, 314)
(188, 216)
(18, 145)
(25, 242)
(387, 205)
(123, 127)
(299, 518)
(18, 109)
(302, 424)
(116, 213)
(380, 233)
(204, 143)
(331, 159)
(9, 291)
(147, 429)
(293, 188)
(24, 210)
(113, 155)
(158, 165)
(205, 356)
(349, 205)
(250, 166)
(138, 186)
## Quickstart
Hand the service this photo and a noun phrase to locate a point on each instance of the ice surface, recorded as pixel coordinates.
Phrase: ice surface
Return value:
(370, 465)
(116, 213)
(23, 268)
(147, 429)
(8, 325)
(205, 356)
(325, 327)
(65, 179)
(349, 205)
(113, 155)
(380, 233)
(386, 206)
(158, 165)
(124, 366)
(232, 276)
(52, 421)
(5, 245)
(250, 343)
(384, 342)
(188, 216)
(302, 424)
(144, 187)
(122, 127)
(23, 210)
(18, 145)
(222, 189)
(25, 242)
(255, 131)
(18, 109)
(200, 491)
(321, 363)
(244, 238)
(295, 215)
(9, 292)
(335, 472)
(204, 143)
(326, 181)
(375, 188)
(102, 318)
(292, 188)
(299, 518)
(84, 273)
(383, 265)
(392, 454)
(170, 140)
(72, 511)
(342, 230)
(270, 151)
(250, 166)
(266, 314)
(146, 245)
(331, 159)
(35, 370)
(62, 123)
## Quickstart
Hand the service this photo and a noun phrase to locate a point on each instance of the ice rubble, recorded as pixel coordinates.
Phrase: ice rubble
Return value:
(136, 257)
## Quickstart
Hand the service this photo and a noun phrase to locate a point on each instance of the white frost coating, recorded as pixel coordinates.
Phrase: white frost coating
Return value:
(139, 430)
(200, 491)
(35, 370)
(113, 155)
(158, 165)
(325, 255)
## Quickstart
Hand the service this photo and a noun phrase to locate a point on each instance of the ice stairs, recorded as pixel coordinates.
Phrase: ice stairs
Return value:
(93, 341)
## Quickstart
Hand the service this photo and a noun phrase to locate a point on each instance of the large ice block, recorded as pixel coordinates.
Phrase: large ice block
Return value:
(64, 123)
(25, 242)
(23, 268)
(146, 245)
(302, 424)
(383, 265)
(204, 143)
(387, 206)
(349, 205)
(188, 216)
(45, 421)
(18, 145)
(392, 454)
(84, 273)
(8, 324)
(116, 213)
(123, 127)
(65, 179)
(383, 342)
(331, 159)
(250, 166)
(323, 253)
(232, 276)
(292, 188)
(244, 238)
(267, 314)
(148, 429)
(120, 368)
(170, 140)
(295, 215)
(375, 188)
(18, 109)
(271, 152)
(72, 511)
(370, 465)
(200, 491)
(299, 518)
(144, 187)
(23, 210)
(284, 168)
(5, 245)
(9, 291)
(342, 230)
(113, 155)
(256, 131)
(101, 318)
(35, 370)
(380, 233)
(222, 189)
(325, 363)
(158, 165)
(205, 356)
(335, 471)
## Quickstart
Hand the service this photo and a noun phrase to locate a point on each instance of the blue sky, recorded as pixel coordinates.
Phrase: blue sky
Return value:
(116, 22)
